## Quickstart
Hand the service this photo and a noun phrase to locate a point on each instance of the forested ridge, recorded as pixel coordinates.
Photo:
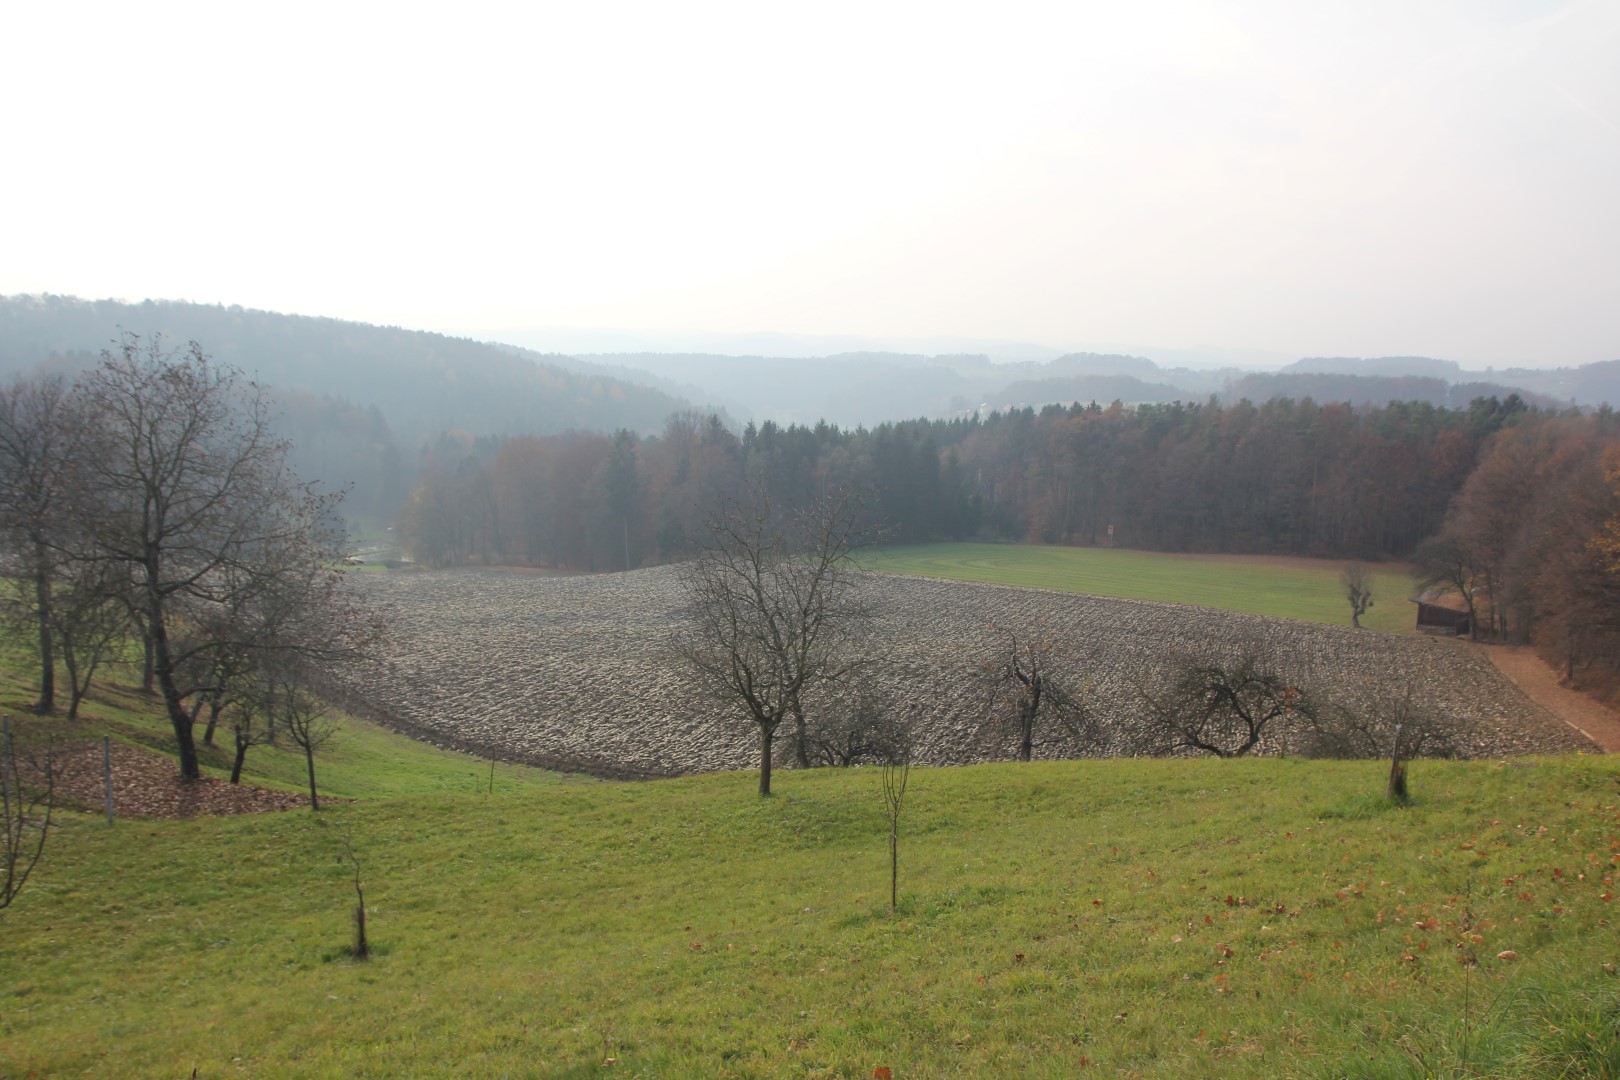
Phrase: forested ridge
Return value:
(357, 401)
(1285, 477)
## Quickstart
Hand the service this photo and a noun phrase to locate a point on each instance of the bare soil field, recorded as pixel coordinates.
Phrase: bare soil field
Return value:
(580, 672)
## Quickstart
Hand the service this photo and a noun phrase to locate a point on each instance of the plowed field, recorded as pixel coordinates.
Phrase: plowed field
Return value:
(580, 672)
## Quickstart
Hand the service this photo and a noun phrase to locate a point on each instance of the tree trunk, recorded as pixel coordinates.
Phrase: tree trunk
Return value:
(1397, 771)
(1028, 711)
(74, 692)
(148, 663)
(362, 949)
(216, 705)
(894, 866)
(47, 655)
(241, 756)
(309, 756)
(163, 667)
(765, 734)
(801, 753)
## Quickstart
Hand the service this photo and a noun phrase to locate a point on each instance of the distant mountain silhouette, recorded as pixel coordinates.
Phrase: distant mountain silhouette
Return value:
(358, 401)
(423, 382)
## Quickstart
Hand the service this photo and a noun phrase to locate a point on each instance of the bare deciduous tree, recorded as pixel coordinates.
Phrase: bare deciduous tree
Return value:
(1356, 580)
(896, 775)
(36, 456)
(250, 712)
(772, 605)
(306, 718)
(181, 484)
(91, 616)
(1380, 724)
(1225, 708)
(1027, 691)
(27, 799)
(857, 720)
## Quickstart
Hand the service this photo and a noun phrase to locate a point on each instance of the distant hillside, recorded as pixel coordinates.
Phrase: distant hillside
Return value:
(1588, 385)
(424, 383)
(1375, 389)
(1591, 384)
(868, 388)
(1087, 388)
(1398, 366)
(358, 401)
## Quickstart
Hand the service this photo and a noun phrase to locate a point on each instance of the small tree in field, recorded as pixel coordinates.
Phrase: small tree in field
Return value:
(308, 720)
(250, 715)
(1225, 708)
(1028, 691)
(37, 426)
(1357, 583)
(896, 774)
(857, 720)
(27, 799)
(771, 606)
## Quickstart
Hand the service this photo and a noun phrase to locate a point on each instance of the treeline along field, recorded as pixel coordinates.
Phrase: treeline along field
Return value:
(1285, 477)
(581, 672)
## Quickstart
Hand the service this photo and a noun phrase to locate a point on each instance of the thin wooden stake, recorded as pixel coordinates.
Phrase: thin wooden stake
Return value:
(106, 773)
(6, 765)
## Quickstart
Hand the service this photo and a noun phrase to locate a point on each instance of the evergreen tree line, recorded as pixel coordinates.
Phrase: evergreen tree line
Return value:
(1285, 477)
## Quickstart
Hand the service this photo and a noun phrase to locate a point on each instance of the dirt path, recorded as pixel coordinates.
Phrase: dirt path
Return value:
(1597, 722)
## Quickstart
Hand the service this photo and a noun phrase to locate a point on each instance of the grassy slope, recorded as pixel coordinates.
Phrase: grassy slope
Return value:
(361, 761)
(1305, 589)
(1202, 918)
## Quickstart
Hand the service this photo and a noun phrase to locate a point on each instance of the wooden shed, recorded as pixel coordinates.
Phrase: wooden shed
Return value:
(1441, 613)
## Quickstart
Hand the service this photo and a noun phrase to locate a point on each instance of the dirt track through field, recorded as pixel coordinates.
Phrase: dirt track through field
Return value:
(582, 672)
(1529, 673)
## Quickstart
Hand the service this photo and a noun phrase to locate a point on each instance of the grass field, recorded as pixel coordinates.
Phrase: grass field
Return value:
(1146, 918)
(1290, 588)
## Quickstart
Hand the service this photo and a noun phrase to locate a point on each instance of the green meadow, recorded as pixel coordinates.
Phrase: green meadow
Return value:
(1141, 918)
(1289, 588)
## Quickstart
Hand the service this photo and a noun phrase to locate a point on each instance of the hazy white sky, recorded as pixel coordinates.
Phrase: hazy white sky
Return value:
(1301, 177)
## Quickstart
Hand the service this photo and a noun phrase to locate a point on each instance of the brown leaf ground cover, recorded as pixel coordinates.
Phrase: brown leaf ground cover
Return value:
(582, 670)
(147, 784)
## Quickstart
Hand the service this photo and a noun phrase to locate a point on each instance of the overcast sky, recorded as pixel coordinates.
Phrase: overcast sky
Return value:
(1358, 178)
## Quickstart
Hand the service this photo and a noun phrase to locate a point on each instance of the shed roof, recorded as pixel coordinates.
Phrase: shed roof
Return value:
(1442, 598)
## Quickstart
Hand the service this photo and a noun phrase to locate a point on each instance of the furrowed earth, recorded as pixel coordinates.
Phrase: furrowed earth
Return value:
(582, 673)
